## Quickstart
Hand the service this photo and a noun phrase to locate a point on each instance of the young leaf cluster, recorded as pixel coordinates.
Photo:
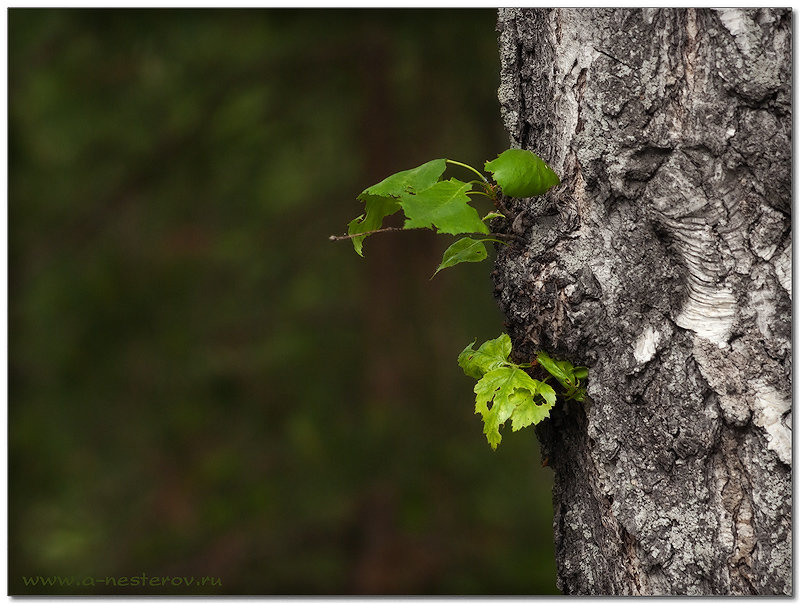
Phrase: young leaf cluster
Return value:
(506, 391)
(568, 376)
(428, 201)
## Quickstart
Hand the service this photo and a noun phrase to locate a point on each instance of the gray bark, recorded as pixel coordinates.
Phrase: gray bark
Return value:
(663, 262)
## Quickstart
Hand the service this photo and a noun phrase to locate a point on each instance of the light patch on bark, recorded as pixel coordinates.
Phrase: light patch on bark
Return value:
(783, 269)
(769, 407)
(572, 67)
(708, 311)
(646, 344)
(507, 92)
(735, 21)
(762, 301)
(709, 308)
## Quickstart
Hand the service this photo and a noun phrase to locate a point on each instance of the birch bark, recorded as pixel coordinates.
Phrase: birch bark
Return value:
(663, 262)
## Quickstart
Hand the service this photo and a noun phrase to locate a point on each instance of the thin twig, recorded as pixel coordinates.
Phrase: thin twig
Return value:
(392, 229)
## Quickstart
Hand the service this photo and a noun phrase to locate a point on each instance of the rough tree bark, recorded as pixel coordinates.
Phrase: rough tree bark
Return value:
(663, 262)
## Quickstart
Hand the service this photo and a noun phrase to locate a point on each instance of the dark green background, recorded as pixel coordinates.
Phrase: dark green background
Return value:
(201, 384)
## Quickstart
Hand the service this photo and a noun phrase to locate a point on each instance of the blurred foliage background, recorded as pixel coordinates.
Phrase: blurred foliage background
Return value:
(201, 384)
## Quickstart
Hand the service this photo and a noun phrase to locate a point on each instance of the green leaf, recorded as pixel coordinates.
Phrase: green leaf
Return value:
(491, 355)
(554, 368)
(580, 373)
(377, 208)
(415, 179)
(445, 206)
(504, 390)
(500, 386)
(382, 199)
(529, 410)
(566, 367)
(522, 173)
(491, 215)
(463, 250)
(547, 393)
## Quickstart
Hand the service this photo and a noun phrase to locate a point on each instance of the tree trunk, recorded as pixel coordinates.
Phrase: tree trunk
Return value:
(663, 263)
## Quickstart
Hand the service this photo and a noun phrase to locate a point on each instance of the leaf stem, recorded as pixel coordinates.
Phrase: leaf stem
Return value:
(506, 236)
(468, 167)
